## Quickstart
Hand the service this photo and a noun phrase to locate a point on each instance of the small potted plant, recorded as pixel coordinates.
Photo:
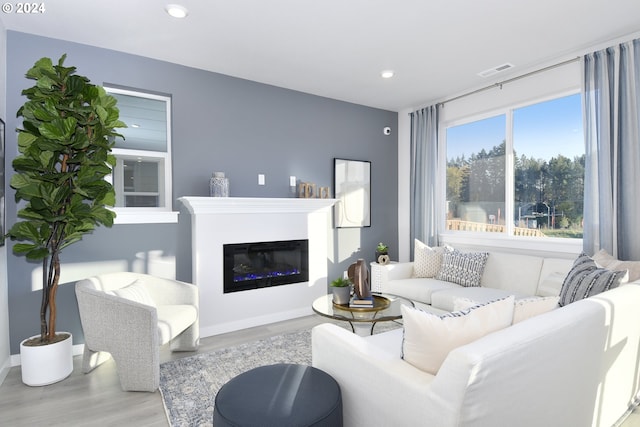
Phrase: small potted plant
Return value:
(341, 290)
(382, 250)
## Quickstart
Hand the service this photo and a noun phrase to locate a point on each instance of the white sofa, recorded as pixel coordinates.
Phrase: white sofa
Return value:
(574, 366)
(504, 274)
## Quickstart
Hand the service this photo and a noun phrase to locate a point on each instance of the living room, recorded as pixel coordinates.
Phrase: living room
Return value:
(246, 128)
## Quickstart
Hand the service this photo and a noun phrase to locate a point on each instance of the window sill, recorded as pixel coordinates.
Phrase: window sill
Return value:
(143, 216)
(547, 246)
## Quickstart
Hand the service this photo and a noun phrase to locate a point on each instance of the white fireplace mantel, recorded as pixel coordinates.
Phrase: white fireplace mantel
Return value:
(217, 221)
(208, 205)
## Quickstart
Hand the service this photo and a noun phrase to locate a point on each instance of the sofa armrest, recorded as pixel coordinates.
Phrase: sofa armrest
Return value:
(400, 270)
(368, 375)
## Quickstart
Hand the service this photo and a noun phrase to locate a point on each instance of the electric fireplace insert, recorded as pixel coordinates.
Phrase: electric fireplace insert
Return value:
(263, 264)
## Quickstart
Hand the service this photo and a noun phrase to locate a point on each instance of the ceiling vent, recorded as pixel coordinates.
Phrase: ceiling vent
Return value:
(495, 70)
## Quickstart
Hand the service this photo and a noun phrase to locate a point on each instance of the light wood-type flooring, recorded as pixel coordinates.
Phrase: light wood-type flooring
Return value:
(95, 399)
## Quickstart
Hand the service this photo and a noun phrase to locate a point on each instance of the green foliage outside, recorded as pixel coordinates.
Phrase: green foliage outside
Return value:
(64, 155)
(551, 191)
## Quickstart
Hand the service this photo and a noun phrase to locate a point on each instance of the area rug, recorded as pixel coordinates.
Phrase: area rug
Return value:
(189, 385)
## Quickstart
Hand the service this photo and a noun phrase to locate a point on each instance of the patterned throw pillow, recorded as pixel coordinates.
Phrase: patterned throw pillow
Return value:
(428, 338)
(463, 268)
(585, 279)
(426, 260)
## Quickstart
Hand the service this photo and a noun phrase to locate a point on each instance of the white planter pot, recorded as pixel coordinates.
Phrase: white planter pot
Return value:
(46, 364)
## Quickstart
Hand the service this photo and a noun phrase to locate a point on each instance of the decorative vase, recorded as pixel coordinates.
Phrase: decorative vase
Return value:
(341, 294)
(46, 364)
(384, 255)
(219, 185)
(359, 275)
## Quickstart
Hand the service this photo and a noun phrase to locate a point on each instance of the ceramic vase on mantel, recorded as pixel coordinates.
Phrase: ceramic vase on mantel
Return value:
(46, 364)
(219, 185)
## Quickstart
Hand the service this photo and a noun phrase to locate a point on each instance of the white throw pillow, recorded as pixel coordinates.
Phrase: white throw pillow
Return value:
(603, 259)
(426, 260)
(428, 338)
(524, 308)
(135, 292)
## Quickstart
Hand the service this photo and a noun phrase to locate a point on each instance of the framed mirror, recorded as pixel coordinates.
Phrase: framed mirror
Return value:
(352, 186)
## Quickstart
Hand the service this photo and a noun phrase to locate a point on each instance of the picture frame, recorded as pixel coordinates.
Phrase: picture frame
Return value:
(3, 228)
(352, 189)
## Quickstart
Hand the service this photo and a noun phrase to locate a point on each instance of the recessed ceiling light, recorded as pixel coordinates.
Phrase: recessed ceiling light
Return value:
(387, 74)
(176, 10)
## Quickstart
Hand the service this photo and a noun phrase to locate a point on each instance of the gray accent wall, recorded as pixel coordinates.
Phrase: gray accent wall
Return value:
(220, 123)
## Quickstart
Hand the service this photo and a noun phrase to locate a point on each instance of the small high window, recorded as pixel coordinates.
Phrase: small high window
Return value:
(142, 175)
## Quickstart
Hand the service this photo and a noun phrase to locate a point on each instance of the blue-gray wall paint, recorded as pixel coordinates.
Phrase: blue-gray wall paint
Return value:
(220, 123)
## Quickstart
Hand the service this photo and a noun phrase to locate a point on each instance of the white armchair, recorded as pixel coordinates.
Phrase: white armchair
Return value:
(129, 316)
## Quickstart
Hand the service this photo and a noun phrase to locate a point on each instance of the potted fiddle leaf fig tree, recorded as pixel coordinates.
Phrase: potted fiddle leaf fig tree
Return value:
(68, 131)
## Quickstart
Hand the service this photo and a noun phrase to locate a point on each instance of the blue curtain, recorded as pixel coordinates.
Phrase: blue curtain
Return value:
(425, 205)
(611, 86)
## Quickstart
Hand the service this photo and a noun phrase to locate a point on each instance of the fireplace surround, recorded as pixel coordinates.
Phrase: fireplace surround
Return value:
(219, 221)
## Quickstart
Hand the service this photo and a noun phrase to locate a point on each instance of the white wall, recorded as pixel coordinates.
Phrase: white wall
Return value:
(4, 293)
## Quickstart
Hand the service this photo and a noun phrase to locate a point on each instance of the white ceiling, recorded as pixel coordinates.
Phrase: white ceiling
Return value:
(337, 48)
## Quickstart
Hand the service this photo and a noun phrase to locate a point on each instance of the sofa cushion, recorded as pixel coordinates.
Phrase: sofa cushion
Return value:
(426, 260)
(523, 308)
(586, 279)
(604, 259)
(417, 289)
(428, 338)
(445, 299)
(463, 268)
(513, 272)
(136, 291)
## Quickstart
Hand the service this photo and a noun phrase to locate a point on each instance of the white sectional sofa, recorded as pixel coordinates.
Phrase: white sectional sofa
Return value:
(504, 274)
(573, 366)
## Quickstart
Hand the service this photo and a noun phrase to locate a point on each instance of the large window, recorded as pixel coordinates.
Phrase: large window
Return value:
(142, 176)
(520, 172)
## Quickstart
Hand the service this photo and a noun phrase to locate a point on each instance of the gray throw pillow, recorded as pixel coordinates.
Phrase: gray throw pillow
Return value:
(585, 279)
(463, 268)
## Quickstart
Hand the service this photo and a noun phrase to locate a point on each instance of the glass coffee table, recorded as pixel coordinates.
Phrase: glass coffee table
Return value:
(386, 308)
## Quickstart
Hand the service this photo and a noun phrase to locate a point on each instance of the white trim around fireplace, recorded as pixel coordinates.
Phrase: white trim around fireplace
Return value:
(218, 221)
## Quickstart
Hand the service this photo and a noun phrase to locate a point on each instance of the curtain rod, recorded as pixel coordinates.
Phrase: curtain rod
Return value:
(513, 79)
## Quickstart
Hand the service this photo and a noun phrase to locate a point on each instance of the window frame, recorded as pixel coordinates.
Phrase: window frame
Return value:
(147, 215)
(506, 240)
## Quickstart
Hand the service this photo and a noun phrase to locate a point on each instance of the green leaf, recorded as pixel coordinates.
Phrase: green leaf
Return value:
(25, 140)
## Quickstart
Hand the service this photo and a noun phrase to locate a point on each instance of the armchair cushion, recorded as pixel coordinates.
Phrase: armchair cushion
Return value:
(173, 319)
(135, 292)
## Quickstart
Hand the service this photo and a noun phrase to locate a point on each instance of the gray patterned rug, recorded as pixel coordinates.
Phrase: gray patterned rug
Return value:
(189, 385)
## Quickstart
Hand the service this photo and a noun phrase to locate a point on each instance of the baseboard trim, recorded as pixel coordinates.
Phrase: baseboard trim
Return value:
(254, 321)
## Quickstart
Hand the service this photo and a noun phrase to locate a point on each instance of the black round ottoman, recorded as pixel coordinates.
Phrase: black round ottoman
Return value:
(282, 395)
